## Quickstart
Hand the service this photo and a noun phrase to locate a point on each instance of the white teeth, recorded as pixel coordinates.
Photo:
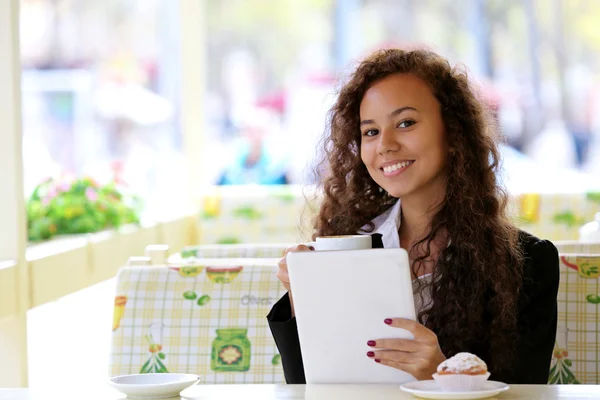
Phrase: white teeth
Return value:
(392, 168)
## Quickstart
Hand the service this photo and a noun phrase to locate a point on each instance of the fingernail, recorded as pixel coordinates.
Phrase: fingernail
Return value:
(371, 343)
(388, 321)
(370, 354)
(377, 360)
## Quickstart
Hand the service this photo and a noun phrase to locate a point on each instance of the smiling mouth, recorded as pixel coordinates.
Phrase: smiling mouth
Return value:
(396, 168)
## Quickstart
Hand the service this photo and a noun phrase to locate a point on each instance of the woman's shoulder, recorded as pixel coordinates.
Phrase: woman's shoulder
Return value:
(540, 258)
(534, 248)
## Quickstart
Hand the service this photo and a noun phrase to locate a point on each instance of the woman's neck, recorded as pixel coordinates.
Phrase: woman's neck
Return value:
(415, 221)
(414, 226)
(418, 210)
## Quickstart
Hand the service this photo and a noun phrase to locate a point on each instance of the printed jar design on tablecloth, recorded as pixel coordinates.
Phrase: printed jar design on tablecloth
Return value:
(120, 302)
(231, 351)
(223, 274)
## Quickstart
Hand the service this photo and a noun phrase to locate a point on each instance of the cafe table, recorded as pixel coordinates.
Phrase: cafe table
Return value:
(309, 392)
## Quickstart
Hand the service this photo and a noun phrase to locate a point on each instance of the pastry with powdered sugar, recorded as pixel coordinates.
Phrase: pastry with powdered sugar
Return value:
(463, 372)
(464, 364)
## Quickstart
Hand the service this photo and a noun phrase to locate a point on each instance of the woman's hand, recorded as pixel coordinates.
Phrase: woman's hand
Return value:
(419, 357)
(282, 272)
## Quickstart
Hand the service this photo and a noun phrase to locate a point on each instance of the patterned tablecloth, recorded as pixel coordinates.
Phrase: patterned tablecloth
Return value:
(282, 214)
(207, 318)
(576, 357)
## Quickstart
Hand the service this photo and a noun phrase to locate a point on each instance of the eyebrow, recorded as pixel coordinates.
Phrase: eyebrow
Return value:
(392, 114)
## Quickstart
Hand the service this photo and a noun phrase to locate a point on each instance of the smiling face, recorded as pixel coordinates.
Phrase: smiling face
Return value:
(403, 140)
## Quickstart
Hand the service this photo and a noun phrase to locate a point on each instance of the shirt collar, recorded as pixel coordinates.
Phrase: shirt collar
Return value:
(387, 224)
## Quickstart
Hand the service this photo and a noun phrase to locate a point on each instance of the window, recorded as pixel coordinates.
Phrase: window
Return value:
(100, 96)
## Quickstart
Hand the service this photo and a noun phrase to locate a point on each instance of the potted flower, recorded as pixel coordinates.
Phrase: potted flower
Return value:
(73, 206)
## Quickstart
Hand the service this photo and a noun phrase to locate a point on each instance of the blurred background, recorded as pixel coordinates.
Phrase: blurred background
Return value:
(101, 85)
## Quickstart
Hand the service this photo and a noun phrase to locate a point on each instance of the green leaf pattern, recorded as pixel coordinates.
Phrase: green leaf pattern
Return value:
(560, 372)
(154, 365)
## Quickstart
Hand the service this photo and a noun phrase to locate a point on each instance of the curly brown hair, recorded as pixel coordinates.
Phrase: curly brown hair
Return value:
(477, 279)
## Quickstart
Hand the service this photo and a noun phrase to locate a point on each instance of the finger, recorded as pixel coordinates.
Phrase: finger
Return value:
(284, 278)
(282, 272)
(282, 263)
(407, 345)
(299, 247)
(392, 355)
(303, 247)
(418, 330)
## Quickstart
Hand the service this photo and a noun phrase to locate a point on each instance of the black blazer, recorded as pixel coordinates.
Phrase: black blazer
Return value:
(537, 322)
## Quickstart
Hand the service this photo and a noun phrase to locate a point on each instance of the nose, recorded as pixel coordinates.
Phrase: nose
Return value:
(387, 142)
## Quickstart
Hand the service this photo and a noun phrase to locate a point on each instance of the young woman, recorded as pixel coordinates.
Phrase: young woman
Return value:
(412, 155)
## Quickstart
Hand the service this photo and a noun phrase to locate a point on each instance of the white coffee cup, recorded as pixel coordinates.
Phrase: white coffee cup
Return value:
(342, 242)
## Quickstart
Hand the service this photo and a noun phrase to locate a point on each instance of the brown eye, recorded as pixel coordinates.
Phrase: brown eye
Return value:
(405, 124)
(370, 132)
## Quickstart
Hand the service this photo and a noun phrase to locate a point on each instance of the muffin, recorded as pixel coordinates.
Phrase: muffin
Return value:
(463, 372)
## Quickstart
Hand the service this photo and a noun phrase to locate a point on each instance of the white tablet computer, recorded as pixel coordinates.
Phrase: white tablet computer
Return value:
(341, 299)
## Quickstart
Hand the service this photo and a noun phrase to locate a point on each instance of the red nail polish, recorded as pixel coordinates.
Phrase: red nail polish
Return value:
(371, 343)
(388, 321)
(377, 360)
(370, 354)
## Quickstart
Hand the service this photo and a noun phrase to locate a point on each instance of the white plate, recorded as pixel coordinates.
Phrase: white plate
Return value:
(431, 390)
(152, 386)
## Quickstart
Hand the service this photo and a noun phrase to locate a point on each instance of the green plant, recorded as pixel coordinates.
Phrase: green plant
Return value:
(78, 206)
(568, 218)
(593, 196)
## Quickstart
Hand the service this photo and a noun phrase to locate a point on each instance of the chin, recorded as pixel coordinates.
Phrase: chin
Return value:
(397, 192)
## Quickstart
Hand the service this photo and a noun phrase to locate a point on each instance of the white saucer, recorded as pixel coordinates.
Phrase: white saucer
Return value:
(431, 390)
(152, 386)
